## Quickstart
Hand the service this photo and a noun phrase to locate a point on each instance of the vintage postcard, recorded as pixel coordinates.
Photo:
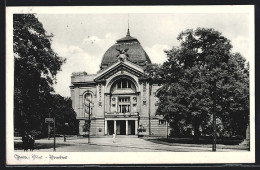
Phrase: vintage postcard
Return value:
(130, 85)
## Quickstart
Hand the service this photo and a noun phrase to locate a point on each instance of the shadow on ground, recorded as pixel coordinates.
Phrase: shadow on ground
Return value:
(38, 146)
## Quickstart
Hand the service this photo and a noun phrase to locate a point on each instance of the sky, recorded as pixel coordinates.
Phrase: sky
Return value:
(84, 38)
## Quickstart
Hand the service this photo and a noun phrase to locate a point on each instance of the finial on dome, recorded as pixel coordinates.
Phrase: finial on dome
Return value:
(128, 32)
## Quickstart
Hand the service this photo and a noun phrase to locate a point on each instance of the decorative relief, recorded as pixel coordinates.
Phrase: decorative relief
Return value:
(144, 93)
(123, 68)
(122, 54)
(100, 95)
(144, 88)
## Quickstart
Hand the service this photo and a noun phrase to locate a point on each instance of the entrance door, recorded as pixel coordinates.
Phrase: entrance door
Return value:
(120, 127)
(131, 127)
(110, 127)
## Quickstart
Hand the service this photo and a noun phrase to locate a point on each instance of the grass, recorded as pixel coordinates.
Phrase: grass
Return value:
(202, 140)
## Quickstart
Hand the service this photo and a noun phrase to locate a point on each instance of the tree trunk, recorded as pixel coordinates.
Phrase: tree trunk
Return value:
(196, 131)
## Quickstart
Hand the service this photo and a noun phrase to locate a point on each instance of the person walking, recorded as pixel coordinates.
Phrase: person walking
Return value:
(114, 138)
(31, 142)
(25, 141)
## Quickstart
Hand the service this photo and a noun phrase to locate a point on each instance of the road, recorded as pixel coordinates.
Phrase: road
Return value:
(122, 144)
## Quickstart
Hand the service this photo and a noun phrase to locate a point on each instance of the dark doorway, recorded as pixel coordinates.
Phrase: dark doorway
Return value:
(110, 127)
(131, 127)
(120, 127)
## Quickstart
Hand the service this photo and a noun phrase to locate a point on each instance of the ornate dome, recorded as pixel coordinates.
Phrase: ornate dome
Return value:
(135, 52)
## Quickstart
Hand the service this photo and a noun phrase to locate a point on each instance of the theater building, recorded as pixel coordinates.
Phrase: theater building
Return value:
(119, 98)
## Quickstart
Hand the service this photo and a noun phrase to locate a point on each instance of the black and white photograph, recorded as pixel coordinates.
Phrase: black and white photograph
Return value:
(130, 85)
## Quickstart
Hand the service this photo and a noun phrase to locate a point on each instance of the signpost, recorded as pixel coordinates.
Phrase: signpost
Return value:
(89, 124)
(52, 120)
(49, 120)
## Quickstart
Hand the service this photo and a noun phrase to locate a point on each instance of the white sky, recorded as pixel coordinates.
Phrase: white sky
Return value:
(83, 38)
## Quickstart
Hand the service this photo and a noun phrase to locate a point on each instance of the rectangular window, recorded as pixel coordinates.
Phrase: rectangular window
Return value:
(119, 85)
(124, 108)
(124, 99)
(124, 83)
(129, 84)
(124, 104)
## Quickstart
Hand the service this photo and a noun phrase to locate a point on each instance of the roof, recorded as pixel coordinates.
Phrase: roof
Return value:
(136, 53)
(129, 66)
(82, 77)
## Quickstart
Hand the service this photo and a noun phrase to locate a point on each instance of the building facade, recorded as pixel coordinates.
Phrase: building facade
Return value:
(120, 98)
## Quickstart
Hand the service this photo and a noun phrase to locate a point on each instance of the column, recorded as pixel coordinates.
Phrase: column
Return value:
(126, 127)
(136, 126)
(105, 127)
(114, 126)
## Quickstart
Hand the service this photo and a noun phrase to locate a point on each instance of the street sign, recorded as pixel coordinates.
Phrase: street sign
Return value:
(49, 120)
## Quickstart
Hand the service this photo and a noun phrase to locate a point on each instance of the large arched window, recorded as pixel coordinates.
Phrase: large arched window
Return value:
(86, 101)
(87, 98)
(123, 95)
(123, 85)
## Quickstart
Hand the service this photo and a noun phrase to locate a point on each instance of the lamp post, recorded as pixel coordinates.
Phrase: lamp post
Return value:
(65, 127)
(89, 120)
(49, 127)
(214, 120)
(54, 138)
(89, 123)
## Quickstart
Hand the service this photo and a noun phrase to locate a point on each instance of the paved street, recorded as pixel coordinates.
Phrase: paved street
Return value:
(122, 144)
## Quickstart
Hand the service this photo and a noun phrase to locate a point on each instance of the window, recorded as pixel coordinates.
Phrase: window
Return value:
(124, 104)
(124, 83)
(87, 98)
(86, 101)
(124, 108)
(124, 99)
(162, 122)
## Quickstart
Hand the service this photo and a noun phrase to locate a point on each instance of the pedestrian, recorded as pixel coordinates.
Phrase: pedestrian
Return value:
(25, 142)
(114, 138)
(31, 142)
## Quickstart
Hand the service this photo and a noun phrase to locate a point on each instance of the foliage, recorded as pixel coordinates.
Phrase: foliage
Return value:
(35, 69)
(141, 129)
(201, 77)
(63, 112)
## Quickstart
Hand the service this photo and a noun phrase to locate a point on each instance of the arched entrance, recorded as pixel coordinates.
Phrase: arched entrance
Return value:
(122, 117)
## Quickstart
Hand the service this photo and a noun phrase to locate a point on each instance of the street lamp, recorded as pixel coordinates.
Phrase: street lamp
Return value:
(214, 119)
(214, 133)
(65, 127)
(167, 129)
(89, 120)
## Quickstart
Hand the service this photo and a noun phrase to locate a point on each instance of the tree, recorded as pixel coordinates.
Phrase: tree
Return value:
(63, 112)
(202, 77)
(35, 69)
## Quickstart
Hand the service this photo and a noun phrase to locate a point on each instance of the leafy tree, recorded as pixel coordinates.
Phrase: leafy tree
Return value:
(202, 77)
(63, 112)
(35, 69)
